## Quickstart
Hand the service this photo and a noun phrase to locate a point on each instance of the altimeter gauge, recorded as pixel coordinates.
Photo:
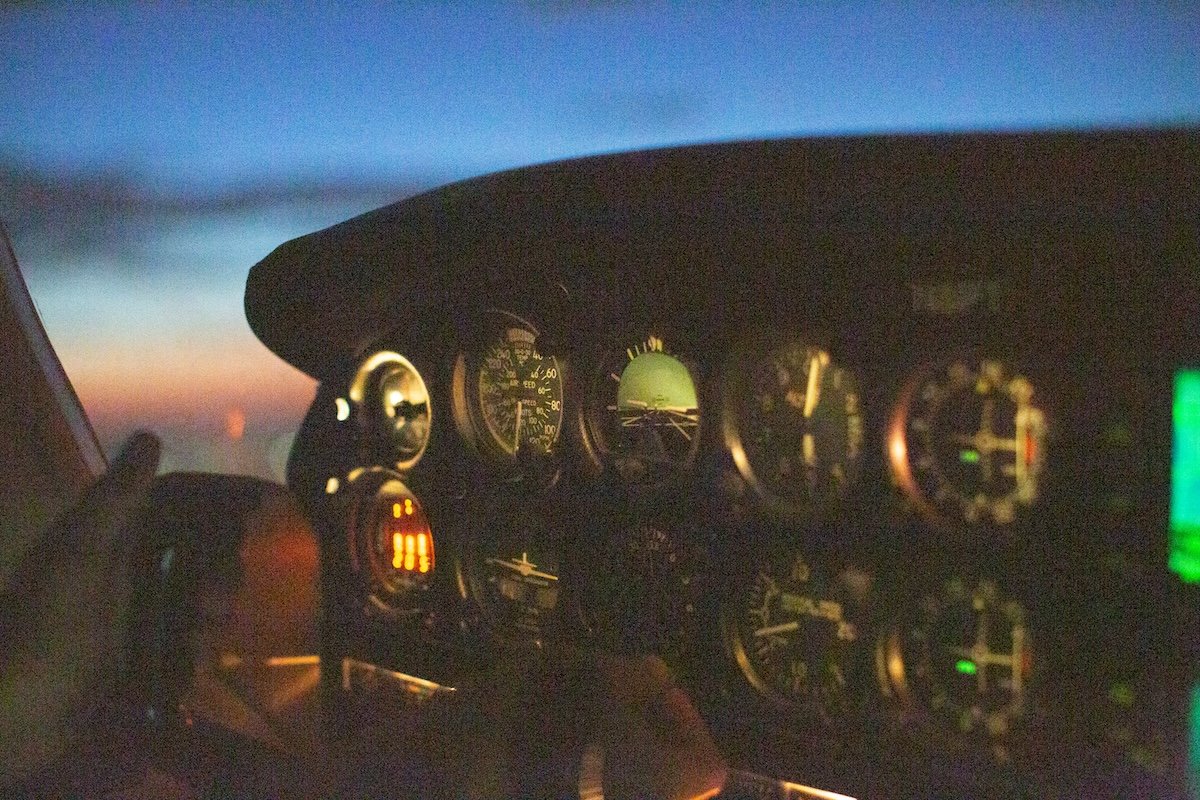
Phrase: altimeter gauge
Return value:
(793, 424)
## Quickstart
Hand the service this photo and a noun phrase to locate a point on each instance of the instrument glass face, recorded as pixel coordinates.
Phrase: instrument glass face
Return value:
(963, 659)
(796, 433)
(969, 442)
(799, 635)
(513, 576)
(392, 545)
(645, 412)
(398, 413)
(520, 393)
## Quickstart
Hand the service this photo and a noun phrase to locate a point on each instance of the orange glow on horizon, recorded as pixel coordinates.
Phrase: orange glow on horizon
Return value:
(235, 423)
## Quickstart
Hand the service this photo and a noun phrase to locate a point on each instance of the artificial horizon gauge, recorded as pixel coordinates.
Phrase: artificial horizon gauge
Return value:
(644, 415)
(962, 659)
(797, 631)
(508, 396)
(968, 442)
(391, 542)
(398, 414)
(793, 425)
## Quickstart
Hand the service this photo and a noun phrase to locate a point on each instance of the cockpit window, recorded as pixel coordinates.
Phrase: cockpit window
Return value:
(150, 154)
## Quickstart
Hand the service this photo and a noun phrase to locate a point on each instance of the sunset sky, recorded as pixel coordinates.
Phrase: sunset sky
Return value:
(151, 153)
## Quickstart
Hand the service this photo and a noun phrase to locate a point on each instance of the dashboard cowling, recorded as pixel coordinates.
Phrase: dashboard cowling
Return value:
(863, 219)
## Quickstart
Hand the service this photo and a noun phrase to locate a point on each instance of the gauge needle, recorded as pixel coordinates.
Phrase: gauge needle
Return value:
(982, 655)
(773, 630)
(813, 393)
(517, 428)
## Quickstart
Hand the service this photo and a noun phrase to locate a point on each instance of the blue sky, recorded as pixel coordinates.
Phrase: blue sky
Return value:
(150, 153)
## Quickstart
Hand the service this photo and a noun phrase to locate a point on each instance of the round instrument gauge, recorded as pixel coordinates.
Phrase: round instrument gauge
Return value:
(643, 590)
(968, 442)
(794, 426)
(512, 574)
(508, 395)
(391, 542)
(644, 415)
(797, 634)
(398, 414)
(962, 659)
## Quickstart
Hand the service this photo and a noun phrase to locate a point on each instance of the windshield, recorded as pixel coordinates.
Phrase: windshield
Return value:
(149, 155)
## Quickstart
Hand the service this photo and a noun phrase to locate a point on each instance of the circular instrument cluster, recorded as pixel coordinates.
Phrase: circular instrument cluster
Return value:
(965, 443)
(957, 658)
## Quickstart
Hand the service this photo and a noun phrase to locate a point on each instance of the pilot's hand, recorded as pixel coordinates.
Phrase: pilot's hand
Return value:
(650, 741)
(572, 723)
(63, 618)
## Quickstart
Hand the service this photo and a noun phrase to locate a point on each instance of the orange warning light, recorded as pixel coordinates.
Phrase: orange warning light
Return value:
(410, 538)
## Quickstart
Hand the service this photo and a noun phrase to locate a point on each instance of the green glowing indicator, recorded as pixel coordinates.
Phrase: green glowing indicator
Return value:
(969, 456)
(656, 382)
(1185, 478)
(966, 667)
(1121, 694)
(1194, 756)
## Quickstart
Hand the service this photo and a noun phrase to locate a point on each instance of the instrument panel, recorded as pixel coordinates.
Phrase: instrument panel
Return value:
(889, 499)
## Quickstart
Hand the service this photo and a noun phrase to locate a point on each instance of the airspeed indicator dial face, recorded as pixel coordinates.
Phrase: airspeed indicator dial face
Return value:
(520, 393)
(508, 394)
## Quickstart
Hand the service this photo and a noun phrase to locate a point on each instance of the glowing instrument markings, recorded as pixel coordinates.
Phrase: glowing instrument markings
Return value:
(524, 567)
(410, 553)
(812, 393)
(773, 630)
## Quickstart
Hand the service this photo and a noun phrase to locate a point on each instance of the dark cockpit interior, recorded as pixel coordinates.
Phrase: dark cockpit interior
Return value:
(858, 467)
(887, 446)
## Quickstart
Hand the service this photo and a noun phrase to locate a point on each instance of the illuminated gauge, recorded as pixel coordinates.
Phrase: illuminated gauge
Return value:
(968, 442)
(508, 395)
(794, 426)
(798, 636)
(512, 574)
(644, 414)
(643, 590)
(962, 659)
(391, 542)
(398, 413)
